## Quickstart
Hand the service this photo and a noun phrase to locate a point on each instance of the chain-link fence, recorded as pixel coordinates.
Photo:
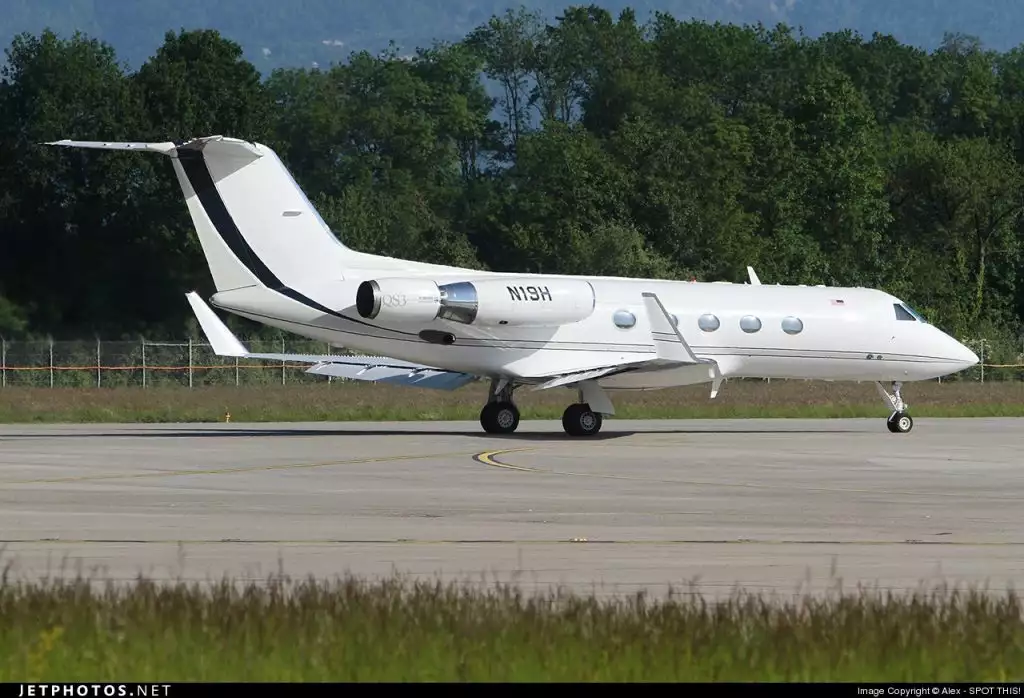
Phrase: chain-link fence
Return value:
(100, 363)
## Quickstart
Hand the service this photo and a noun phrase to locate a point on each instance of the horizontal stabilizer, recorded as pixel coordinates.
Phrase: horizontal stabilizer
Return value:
(365, 368)
(166, 148)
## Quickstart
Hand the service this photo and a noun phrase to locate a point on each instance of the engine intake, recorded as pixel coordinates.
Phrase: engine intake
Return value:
(399, 300)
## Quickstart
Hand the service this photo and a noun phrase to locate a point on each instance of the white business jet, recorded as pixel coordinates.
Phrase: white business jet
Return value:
(274, 260)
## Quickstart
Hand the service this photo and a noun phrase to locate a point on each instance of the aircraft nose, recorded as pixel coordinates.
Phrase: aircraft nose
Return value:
(963, 355)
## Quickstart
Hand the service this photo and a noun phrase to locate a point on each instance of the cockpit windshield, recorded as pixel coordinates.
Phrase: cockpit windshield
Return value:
(906, 313)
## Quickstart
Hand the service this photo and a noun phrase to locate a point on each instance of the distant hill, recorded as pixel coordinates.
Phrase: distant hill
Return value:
(296, 33)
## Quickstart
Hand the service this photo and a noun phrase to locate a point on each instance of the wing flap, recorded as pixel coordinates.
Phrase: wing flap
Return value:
(570, 378)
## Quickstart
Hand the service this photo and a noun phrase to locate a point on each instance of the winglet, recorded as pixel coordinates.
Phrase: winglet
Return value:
(223, 341)
(667, 341)
(754, 281)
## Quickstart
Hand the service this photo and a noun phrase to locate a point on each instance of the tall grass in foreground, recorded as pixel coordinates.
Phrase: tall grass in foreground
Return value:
(396, 630)
(369, 402)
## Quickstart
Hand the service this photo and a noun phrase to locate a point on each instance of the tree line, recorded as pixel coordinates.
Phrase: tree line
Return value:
(584, 144)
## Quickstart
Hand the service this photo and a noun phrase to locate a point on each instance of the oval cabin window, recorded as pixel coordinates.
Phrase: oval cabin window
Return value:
(624, 319)
(708, 322)
(792, 325)
(750, 324)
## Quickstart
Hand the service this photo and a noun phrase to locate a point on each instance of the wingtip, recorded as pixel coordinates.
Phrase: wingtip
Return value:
(222, 340)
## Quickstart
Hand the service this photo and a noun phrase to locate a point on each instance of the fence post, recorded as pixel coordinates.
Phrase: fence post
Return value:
(282, 361)
(51, 361)
(189, 362)
(3, 361)
(99, 362)
(143, 339)
(329, 377)
(981, 361)
(236, 371)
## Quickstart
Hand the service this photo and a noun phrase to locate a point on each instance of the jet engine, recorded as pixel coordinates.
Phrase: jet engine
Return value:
(485, 302)
(399, 300)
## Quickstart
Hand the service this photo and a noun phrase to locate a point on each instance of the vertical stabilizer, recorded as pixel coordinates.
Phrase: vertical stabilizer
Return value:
(255, 224)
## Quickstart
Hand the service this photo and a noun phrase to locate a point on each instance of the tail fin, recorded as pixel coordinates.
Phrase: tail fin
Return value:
(255, 224)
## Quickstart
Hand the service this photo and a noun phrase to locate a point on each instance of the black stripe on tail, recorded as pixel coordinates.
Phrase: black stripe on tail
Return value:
(194, 165)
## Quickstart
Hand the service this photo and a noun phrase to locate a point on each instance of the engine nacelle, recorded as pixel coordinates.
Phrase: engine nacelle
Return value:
(518, 302)
(484, 302)
(399, 300)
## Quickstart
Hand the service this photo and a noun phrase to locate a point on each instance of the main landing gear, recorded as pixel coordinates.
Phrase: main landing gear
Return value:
(501, 416)
(899, 421)
(579, 420)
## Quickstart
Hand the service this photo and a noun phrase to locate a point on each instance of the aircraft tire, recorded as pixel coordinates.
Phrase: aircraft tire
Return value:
(499, 417)
(579, 420)
(900, 423)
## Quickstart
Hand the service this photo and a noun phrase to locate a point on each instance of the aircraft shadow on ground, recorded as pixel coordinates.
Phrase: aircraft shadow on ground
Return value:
(200, 432)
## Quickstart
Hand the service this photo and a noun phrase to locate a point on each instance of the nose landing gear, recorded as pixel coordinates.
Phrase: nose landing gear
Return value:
(899, 421)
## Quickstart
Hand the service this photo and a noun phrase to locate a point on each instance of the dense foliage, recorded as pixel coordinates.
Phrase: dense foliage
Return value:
(665, 149)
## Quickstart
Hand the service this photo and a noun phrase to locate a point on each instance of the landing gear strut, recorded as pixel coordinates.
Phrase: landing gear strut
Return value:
(500, 415)
(899, 421)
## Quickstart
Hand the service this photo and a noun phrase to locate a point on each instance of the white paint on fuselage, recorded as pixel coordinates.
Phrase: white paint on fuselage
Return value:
(859, 339)
(259, 232)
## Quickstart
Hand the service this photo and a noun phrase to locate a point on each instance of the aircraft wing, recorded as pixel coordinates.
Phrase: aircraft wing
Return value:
(367, 368)
(672, 353)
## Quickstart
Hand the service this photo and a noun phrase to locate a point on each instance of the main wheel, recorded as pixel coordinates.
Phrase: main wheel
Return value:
(900, 423)
(580, 420)
(499, 417)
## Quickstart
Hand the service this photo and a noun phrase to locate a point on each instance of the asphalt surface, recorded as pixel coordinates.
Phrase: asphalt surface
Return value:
(709, 506)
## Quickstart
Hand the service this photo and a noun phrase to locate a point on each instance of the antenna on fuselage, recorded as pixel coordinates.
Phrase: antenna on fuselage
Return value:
(754, 281)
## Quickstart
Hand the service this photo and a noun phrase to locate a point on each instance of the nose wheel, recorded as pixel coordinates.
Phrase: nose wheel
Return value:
(899, 421)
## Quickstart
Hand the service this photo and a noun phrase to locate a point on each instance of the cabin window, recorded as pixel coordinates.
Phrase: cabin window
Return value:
(624, 319)
(792, 325)
(675, 320)
(708, 322)
(750, 324)
(902, 313)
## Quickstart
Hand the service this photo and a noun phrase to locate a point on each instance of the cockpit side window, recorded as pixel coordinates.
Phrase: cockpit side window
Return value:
(917, 315)
(903, 313)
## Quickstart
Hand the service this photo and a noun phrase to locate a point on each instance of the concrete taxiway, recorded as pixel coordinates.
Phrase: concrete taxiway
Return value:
(699, 505)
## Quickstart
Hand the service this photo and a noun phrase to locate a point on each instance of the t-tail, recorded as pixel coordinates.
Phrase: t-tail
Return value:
(255, 224)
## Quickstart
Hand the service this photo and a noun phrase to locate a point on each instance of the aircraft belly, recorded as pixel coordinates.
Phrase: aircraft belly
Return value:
(832, 368)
